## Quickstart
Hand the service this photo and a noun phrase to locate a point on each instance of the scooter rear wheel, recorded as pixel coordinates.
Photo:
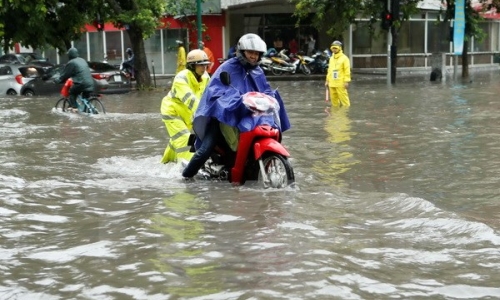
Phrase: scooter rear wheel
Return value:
(275, 70)
(278, 170)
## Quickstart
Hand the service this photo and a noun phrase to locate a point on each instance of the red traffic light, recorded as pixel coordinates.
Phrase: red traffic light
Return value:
(387, 20)
(99, 25)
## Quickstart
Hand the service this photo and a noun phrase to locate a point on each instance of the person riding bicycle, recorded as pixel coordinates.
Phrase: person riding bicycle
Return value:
(221, 104)
(78, 70)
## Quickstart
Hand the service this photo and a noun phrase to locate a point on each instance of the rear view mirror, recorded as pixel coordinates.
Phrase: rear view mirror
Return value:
(225, 78)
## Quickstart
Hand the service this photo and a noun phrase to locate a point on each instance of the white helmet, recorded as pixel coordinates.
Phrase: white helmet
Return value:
(251, 42)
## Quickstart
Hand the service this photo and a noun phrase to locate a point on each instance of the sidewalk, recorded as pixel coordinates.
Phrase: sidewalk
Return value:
(357, 75)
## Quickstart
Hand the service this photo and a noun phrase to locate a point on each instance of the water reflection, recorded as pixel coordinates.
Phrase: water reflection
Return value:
(181, 257)
(338, 159)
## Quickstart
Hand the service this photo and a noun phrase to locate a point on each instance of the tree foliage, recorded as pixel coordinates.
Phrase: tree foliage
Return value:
(55, 23)
(180, 7)
(334, 17)
(44, 23)
(137, 14)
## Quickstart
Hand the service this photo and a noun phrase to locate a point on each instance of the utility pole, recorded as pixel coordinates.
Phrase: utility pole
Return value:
(386, 24)
(394, 46)
(389, 16)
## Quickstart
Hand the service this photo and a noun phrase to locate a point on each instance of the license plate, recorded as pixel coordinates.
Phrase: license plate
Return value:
(117, 78)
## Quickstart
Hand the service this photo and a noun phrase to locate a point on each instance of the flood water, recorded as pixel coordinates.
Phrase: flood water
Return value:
(396, 197)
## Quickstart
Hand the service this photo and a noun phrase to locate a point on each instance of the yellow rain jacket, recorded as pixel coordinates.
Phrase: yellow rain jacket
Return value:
(339, 70)
(177, 110)
(181, 59)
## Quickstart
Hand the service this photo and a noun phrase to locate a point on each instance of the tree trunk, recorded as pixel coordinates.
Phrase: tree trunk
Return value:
(141, 69)
(465, 61)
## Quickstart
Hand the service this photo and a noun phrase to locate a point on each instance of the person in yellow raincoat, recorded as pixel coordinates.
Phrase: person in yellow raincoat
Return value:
(180, 104)
(338, 76)
(181, 57)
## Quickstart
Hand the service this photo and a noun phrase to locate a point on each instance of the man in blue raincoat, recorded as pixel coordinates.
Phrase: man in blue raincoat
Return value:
(222, 104)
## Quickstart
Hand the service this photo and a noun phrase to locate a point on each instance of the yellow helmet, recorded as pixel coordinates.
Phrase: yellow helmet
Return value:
(197, 57)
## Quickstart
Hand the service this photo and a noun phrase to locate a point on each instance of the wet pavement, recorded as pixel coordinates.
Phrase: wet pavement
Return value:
(395, 197)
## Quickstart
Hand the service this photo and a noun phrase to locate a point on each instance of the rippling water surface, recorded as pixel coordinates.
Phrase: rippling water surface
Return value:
(397, 197)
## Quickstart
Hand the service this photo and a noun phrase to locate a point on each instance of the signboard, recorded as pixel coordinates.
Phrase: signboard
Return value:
(459, 27)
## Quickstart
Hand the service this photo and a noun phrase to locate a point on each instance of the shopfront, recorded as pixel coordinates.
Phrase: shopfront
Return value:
(420, 39)
(161, 49)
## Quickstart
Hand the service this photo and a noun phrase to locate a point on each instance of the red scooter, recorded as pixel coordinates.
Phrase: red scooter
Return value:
(260, 155)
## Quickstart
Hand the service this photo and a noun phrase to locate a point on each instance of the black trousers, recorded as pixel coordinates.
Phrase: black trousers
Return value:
(74, 91)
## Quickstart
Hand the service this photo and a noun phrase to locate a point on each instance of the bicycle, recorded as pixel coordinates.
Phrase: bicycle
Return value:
(86, 102)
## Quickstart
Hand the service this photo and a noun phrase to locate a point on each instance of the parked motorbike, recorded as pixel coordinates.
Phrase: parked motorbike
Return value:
(301, 63)
(282, 64)
(260, 155)
(320, 61)
(266, 61)
(265, 64)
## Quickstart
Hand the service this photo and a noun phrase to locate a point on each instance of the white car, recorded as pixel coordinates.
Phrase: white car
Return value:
(11, 79)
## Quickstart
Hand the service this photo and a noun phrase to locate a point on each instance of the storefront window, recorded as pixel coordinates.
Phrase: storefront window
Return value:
(438, 37)
(114, 47)
(484, 44)
(494, 34)
(169, 63)
(411, 37)
(96, 47)
(362, 38)
(279, 29)
(152, 47)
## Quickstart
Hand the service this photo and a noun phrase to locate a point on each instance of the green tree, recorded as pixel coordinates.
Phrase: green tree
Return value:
(55, 23)
(141, 18)
(44, 23)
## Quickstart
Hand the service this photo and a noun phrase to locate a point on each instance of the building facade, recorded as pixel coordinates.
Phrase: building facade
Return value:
(420, 39)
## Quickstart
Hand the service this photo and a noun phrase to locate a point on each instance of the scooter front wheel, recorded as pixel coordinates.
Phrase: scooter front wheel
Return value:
(305, 69)
(277, 170)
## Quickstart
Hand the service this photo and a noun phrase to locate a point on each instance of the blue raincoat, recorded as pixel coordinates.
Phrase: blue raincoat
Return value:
(224, 103)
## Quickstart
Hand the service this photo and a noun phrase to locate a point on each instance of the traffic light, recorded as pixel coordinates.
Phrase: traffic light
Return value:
(99, 25)
(387, 20)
